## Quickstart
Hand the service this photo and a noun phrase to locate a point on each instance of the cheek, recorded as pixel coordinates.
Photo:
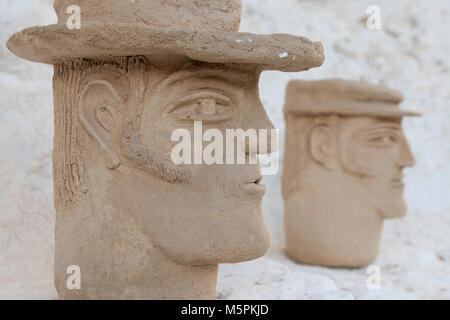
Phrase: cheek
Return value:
(157, 136)
(372, 161)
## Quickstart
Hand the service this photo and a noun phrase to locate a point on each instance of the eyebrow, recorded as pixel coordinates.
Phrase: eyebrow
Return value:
(185, 98)
(229, 76)
(384, 125)
(377, 127)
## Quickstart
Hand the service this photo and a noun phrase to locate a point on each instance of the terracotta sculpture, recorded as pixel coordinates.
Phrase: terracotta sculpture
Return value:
(137, 225)
(345, 153)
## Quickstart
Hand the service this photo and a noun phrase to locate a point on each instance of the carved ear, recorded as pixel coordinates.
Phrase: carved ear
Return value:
(99, 113)
(323, 146)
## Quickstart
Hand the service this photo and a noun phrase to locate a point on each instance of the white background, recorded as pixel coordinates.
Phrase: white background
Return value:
(409, 53)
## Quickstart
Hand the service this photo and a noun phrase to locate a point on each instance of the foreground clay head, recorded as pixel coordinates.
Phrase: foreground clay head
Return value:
(136, 224)
(345, 153)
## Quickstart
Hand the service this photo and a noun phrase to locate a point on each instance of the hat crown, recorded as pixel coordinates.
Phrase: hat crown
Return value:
(343, 97)
(204, 15)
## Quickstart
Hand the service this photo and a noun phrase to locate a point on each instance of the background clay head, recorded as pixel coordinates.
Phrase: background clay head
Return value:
(345, 156)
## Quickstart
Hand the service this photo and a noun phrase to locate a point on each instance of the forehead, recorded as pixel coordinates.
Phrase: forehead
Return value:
(353, 124)
(210, 72)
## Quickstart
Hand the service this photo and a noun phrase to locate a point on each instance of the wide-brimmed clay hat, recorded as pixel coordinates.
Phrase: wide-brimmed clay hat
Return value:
(202, 30)
(343, 97)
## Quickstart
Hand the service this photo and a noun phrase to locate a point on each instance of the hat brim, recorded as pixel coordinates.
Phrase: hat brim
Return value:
(53, 43)
(362, 112)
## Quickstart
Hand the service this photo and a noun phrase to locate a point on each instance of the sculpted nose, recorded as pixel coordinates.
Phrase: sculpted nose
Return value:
(268, 137)
(406, 158)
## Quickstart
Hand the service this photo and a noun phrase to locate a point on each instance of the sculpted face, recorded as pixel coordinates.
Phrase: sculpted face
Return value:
(375, 152)
(215, 216)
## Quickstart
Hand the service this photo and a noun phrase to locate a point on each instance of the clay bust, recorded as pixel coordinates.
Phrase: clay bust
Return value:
(345, 153)
(137, 225)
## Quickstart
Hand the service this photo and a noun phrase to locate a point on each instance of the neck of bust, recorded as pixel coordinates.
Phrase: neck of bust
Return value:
(116, 259)
(328, 223)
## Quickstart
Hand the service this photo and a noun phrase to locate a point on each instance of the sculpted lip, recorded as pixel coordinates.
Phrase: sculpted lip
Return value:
(397, 182)
(257, 180)
(254, 187)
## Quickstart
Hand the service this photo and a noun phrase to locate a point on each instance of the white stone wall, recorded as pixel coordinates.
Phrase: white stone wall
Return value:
(409, 53)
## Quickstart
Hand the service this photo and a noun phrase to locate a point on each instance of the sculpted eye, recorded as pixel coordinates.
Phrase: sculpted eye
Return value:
(382, 140)
(202, 106)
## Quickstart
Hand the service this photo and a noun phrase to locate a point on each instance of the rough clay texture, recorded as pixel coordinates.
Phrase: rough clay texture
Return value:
(408, 54)
(198, 14)
(97, 38)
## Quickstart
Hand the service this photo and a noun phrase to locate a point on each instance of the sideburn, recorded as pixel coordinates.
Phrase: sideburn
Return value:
(131, 146)
(152, 161)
